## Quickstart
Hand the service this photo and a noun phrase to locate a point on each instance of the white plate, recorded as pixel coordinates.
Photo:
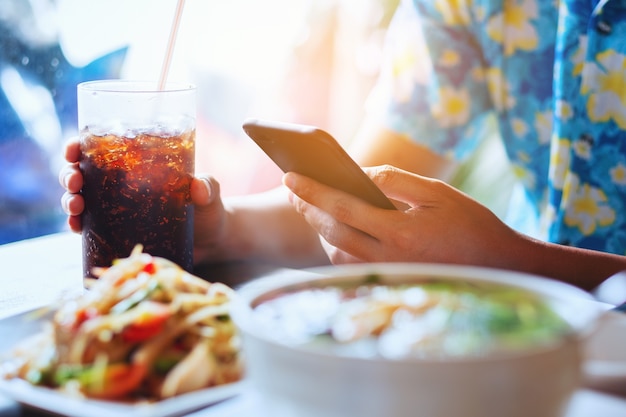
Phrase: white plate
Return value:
(14, 329)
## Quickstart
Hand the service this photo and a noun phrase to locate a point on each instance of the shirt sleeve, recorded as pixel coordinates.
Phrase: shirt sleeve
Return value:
(432, 85)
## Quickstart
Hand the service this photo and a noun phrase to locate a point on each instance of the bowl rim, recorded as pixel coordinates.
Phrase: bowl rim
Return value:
(576, 299)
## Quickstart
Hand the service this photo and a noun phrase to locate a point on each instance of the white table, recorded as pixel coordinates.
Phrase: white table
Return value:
(36, 271)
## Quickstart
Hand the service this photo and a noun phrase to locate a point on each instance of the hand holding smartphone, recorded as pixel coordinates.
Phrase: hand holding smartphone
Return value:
(313, 152)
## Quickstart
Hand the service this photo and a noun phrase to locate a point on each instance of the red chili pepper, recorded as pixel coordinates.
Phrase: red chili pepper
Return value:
(82, 315)
(150, 268)
(151, 318)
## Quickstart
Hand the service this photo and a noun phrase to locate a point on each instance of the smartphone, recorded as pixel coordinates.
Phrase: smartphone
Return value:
(313, 152)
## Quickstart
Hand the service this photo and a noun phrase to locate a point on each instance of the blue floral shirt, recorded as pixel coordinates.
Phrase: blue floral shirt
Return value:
(553, 74)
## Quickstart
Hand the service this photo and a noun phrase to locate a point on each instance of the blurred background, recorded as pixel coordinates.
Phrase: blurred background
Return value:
(304, 61)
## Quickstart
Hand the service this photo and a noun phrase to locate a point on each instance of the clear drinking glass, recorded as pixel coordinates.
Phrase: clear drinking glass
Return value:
(138, 153)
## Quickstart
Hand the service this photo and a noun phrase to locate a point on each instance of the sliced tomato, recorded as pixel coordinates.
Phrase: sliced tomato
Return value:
(118, 381)
(150, 268)
(82, 315)
(150, 320)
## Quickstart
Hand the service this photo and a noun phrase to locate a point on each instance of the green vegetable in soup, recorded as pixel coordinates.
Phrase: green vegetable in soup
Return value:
(431, 318)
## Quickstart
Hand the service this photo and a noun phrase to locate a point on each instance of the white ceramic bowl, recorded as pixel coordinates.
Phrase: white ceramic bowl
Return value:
(298, 382)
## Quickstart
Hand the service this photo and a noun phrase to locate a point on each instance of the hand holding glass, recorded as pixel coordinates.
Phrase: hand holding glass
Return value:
(138, 151)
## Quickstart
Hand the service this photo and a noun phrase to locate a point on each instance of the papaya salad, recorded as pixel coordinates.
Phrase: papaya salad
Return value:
(144, 330)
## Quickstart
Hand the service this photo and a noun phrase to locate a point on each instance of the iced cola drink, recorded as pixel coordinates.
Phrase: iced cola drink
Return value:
(137, 166)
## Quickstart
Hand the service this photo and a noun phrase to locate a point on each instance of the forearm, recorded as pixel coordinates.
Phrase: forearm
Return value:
(375, 145)
(265, 227)
(581, 267)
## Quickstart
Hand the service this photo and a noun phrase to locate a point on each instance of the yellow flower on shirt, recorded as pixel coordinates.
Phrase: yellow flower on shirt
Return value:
(520, 127)
(449, 58)
(559, 161)
(618, 174)
(404, 62)
(499, 89)
(582, 149)
(513, 28)
(526, 176)
(548, 217)
(454, 12)
(453, 107)
(563, 110)
(587, 208)
(479, 12)
(523, 156)
(411, 64)
(605, 83)
(478, 74)
(543, 126)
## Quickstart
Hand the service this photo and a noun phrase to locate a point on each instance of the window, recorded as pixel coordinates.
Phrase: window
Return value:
(298, 60)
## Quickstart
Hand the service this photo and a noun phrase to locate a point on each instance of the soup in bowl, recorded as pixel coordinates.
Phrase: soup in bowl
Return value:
(391, 339)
